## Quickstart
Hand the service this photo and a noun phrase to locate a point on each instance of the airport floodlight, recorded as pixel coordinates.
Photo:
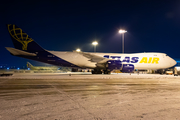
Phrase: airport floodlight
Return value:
(122, 32)
(95, 43)
(78, 50)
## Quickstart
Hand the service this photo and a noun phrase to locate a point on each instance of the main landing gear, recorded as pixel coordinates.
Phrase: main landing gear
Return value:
(98, 71)
(107, 71)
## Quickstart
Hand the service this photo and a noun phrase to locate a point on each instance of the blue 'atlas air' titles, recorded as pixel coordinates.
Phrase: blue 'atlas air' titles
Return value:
(153, 60)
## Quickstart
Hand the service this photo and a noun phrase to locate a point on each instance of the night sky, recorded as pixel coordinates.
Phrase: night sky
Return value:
(152, 25)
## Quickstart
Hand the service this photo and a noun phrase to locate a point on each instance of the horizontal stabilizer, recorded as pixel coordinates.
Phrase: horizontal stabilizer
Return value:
(17, 52)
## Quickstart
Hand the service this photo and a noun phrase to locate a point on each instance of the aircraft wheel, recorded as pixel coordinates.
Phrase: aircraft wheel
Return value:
(107, 72)
(95, 71)
(99, 72)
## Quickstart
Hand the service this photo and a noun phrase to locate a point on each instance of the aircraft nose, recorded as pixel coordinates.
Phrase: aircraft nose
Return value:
(173, 62)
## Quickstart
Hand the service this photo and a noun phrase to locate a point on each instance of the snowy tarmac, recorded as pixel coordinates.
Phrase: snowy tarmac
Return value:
(83, 96)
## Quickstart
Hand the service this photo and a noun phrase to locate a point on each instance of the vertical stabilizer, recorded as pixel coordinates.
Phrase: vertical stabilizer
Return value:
(21, 40)
(29, 65)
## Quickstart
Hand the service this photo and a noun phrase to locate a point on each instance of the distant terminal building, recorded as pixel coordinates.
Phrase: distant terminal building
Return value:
(177, 68)
(8, 67)
(177, 62)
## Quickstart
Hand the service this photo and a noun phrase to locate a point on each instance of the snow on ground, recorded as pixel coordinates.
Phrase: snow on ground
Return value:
(86, 75)
(89, 97)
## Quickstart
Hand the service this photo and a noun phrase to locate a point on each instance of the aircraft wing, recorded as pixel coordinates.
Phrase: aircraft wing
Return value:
(94, 58)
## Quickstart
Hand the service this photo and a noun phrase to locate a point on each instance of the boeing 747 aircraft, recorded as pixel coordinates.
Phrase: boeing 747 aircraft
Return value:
(26, 47)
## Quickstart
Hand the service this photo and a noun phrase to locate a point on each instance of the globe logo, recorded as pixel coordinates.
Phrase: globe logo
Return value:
(19, 35)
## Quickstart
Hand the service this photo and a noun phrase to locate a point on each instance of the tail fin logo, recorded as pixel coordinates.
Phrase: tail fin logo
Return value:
(19, 35)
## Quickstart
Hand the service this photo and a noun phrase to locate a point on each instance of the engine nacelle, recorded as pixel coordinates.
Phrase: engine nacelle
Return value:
(117, 65)
(114, 64)
(128, 68)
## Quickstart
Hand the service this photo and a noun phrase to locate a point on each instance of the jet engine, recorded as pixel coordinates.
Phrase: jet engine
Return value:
(128, 68)
(114, 64)
(117, 64)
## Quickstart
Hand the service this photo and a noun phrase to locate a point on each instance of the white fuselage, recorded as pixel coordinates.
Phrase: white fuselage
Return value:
(140, 61)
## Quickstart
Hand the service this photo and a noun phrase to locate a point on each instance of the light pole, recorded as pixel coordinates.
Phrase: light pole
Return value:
(122, 32)
(95, 43)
